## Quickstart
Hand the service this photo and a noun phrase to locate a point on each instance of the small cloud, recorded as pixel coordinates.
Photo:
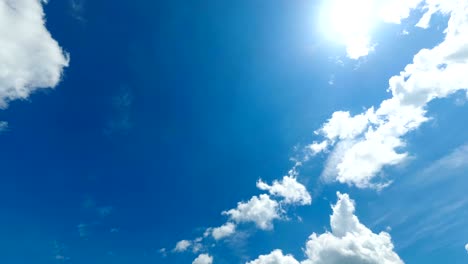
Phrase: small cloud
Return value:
(466, 247)
(331, 80)
(120, 122)
(163, 252)
(115, 230)
(83, 230)
(203, 259)
(88, 203)
(261, 210)
(223, 231)
(405, 32)
(61, 258)
(59, 252)
(182, 246)
(3, 126)
(77, 9)
(105, 211)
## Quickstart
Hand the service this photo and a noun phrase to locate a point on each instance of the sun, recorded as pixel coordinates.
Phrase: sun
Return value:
(350, 23)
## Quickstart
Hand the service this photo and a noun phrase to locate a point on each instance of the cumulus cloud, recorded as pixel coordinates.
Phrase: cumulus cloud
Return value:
(30, 58)
(223, 231)
(203, 259)
(348, 242)
(261, 210)
(466, 247)
(182, 246)
(364, 144)
(275, 257)
(289, 189)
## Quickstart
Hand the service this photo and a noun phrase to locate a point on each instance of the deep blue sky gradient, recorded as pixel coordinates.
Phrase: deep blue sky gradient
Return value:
(170, 112)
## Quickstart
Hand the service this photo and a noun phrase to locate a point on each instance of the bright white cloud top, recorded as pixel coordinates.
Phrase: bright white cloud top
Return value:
(30, 58)
(289, 189)
(275, 257)
(182, 246)
(261, 210)
(223, 231)
(349, 242)
(466, 248)
(203, 259)
(364, 144)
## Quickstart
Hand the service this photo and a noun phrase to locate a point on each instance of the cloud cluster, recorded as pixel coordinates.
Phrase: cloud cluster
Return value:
(261, 210)
(348, 242)
(30, 58)
(364, 144)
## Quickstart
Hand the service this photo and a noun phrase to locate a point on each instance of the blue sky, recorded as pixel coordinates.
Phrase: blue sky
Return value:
(231, 131)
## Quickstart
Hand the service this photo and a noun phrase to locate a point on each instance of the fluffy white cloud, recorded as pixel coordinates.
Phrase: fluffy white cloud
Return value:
(349, 241)
(29, 57)
(203, 259)
(365, 143)
(223, 231)
(466, 247)
(289, 189)
(275, 257)
(261, 210)
(344, 126)
(182, 246)
(394, 11)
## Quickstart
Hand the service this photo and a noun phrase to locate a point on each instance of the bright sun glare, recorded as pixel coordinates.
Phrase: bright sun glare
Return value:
(350, 23)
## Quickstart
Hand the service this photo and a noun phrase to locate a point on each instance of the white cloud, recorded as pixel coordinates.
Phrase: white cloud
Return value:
(466, 247)
(394, 11)
(203, 259)
(315, 148)
(366, 143)
(182, 246)
(29, 57)
(344, 126)
(275, 257)
(348, 242)
(223, 231)
(289, 189)
(260, 210)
